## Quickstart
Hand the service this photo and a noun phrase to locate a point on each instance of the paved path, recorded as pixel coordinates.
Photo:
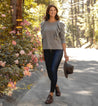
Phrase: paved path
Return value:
(80, 89)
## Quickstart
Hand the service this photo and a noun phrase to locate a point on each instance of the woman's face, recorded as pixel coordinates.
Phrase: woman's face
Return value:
(52, 12)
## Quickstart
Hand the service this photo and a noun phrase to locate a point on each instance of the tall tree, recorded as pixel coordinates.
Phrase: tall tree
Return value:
(13, 13)
(78, 6)
(72, 12)
(19, 17)
(75, 5)
(82, 6)
(72, 22)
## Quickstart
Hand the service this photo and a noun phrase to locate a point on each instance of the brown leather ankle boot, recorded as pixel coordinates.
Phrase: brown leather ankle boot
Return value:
(49, 99)
(57, 91)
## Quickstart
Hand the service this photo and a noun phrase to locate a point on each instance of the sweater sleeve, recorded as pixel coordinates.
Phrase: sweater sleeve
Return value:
(42, 27)
(62, 32)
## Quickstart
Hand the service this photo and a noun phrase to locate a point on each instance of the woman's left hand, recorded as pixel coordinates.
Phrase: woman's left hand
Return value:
(66, 57)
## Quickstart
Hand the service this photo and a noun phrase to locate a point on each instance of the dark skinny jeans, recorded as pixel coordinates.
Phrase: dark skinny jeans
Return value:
(52, 61)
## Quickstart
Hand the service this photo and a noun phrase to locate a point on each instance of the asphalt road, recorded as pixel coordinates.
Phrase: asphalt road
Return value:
(80, 89)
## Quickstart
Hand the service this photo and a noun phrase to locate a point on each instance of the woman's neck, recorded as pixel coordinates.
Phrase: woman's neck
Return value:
(52, 19)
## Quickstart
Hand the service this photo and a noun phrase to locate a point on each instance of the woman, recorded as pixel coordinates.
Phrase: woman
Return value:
(53, 43)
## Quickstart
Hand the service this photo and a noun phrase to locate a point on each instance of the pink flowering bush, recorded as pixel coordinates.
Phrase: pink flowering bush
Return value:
(19, 56)
(5, 20)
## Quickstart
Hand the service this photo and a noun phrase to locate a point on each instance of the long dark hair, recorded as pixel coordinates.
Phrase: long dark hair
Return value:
(47, 16)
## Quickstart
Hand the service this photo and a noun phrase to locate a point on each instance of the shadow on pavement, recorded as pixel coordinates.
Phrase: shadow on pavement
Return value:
(81, 88)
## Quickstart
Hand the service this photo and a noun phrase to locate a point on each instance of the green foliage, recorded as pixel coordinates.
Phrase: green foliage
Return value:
(5, 20)
(83, 19)
(96, 36)
(46, 2)
(71, 34)
(90, 32)
(34, 13)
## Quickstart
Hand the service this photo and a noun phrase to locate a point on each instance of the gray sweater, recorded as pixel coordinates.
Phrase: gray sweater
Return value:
(53, 34)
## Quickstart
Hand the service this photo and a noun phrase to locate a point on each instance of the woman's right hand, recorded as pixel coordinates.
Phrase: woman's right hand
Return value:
(43, 57)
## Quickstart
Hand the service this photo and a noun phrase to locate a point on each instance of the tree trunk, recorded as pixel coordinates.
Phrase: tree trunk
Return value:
(78, 6)
(72, 12)
(88, 4)
(94, 1)
(19, 18)
(76, 23)
(82, 6)
(72, 22)
(93, 26)
(78, 30)
(88, 17)
(13, 13)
